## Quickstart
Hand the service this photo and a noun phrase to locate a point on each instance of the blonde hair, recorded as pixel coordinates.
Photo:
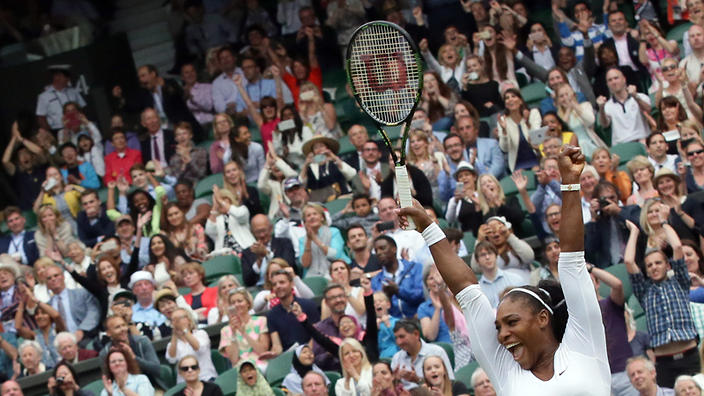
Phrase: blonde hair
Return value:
(419, 134)
(447, 383)
(318, 208)
(647, 228)
(231, 188)
(229, 121)
(444, 47)
(44, 208)
(359, 348)
(483, 203)
(639, 162)
(563, 113)
(244, 293)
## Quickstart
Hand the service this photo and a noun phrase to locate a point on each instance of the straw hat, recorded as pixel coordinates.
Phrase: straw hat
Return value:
(332, 144)
(666, 172)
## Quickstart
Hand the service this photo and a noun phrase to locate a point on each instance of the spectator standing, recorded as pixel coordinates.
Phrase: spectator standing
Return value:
(119, 162)
(50, 103)
(400, 280)
(22, 161)
(199, 96)
(623, 111)
(189, 162)
(187, 340)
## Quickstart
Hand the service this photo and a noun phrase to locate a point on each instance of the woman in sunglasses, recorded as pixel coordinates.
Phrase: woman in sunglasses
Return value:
(189, 370)
(693, 174)
(677, 87)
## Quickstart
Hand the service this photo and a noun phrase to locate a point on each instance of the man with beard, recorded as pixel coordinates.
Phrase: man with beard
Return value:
(284, 328)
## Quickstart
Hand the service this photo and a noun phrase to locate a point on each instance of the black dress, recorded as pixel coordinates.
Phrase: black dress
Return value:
(478, 94)
(209, 389)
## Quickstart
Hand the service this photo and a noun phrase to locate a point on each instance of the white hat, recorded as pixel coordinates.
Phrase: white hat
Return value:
(463, 166)
(140, 276)
(8, 264)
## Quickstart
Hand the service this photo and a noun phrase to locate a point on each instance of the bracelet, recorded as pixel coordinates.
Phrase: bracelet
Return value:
(433, 234)
(570, 187)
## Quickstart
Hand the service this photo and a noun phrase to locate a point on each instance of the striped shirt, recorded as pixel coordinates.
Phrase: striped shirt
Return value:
(575, 40)
(666, 305)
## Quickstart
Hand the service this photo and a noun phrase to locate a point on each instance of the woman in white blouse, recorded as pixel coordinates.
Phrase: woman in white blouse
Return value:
(189, 340)
(579, 117)
(356, 370)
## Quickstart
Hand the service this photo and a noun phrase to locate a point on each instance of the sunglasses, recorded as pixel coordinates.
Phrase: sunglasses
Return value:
(695, 152)
(189, 368)
(668, 68)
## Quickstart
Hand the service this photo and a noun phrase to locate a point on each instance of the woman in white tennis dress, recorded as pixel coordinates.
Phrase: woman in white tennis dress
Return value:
(526, 348)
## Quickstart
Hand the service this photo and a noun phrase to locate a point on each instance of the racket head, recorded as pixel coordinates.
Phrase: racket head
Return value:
(385, 72)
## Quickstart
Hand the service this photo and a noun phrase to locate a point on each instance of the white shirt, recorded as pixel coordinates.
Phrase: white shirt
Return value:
(183, 348)
(160, 140)
(402, 360)
(17, 246)
(413, 241)
(627, 122)
(669, 163)
(624, 57)
(543, 58)
(374, 188)
(50, 104)
(581, 362)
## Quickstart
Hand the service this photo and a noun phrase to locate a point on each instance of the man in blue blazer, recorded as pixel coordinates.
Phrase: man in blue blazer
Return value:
(255, 258)
(483, 153)
(79, 309)
(20, 243)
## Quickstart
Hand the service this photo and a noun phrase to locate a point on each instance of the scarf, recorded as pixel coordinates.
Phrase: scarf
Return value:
(260, 388)
(293, 380)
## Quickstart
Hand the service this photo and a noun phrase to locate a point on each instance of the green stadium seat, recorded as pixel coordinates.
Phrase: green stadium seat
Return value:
(96, 387)
(222, 265)
(469, 241)
(278, 368)
(182, 291)
(642, 324)
(464, 374)
(677, 32)
(205, 186)
(534, 92)
(227, 381)
(336, 205)
(103, 194)
(619, 271)
(171, 391)
(219, 361)
(345, 145)
(316, 283)
(167, 375)
(628, 150)
(205, 144)
(278, 391)
(333, 376)
(449, 351)
(635, 306)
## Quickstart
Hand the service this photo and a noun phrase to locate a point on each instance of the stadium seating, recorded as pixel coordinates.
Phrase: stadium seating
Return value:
(205, 186)
(227, 381)
(221, 265)
(278, 368)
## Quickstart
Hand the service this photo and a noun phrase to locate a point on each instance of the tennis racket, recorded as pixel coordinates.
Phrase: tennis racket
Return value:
(385, 72)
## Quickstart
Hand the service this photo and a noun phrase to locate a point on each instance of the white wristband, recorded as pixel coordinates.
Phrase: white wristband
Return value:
(433, 234)
(570, 187)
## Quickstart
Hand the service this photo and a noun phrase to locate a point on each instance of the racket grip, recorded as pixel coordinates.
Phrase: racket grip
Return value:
(404, 191)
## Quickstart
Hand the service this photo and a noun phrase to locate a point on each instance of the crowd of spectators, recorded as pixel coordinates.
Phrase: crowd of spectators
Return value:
(247, 161)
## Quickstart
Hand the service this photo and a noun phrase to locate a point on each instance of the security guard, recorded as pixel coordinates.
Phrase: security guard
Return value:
(50, 104)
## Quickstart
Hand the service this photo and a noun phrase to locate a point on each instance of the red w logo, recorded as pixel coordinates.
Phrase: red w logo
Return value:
(385, 71)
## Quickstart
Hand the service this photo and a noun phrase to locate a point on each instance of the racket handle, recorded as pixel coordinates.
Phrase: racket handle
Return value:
(404, 191)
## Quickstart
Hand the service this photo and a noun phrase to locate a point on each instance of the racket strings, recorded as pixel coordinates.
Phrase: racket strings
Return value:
(385, 73)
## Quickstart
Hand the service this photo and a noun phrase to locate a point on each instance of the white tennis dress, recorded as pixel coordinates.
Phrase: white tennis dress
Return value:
(581, 362)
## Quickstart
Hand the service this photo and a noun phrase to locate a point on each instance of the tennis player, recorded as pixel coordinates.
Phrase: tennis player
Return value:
(526, 348)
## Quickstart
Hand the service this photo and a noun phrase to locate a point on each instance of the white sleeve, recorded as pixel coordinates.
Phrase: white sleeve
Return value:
(203, 340)
(496, 361)
(585, 329)
(302, 290)
(451, 212)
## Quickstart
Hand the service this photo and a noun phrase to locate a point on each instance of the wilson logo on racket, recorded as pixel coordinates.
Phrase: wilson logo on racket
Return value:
(390, 68)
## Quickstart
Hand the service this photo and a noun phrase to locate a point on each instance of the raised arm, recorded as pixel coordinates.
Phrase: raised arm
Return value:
(629, 255)
(453, 269)
(611, 281)
(571, 162)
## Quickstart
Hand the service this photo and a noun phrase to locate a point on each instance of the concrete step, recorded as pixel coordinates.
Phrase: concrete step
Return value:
(140, 8)
(160, 55)
(139, 20)
(149, 35)
(122, 4)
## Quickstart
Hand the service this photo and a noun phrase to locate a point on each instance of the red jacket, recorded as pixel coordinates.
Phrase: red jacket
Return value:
(208, 299)
(116, 166)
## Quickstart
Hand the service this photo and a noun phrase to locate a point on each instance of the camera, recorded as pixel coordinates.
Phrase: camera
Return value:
(59, 380)
(603, 202)
(387, 225)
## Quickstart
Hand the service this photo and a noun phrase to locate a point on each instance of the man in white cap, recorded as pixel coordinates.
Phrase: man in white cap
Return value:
(50, 103)
(142, 285)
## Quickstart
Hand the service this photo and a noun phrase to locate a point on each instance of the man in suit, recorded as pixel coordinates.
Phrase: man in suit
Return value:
(20, 243)
(256, 258)
(358, 135)
(159, 145)
(625, 42)
(163, 95)
(372, 171)
(79, 309)
(93, 222)
(483, 153)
